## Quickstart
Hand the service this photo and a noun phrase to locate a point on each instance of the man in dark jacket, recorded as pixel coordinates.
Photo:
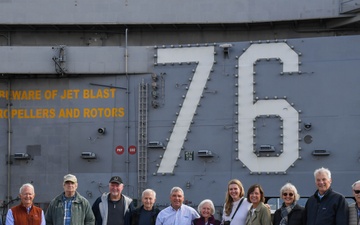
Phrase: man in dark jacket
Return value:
(147, 213)
(113, 208)
(326, 206)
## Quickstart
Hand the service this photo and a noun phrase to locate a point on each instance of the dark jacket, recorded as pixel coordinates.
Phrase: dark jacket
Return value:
(201, 221)
(100, 209)
(135, 215)
(295, 217)
(332, 209)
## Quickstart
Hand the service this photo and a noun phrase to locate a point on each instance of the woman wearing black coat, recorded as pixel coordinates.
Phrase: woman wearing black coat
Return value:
(290, 212)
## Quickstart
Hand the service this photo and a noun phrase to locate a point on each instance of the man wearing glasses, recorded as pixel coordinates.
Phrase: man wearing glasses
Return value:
(354, 208)
(326, 206)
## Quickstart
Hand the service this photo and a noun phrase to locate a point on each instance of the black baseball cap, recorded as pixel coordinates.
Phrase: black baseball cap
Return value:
(116, 179)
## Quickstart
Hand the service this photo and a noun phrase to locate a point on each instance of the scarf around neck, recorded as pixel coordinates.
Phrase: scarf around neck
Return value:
(285, 210)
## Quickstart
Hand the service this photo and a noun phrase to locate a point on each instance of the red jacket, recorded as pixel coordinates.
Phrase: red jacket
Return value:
(21, 217)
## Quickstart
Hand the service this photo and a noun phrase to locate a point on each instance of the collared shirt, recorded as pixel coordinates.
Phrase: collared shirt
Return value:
(67, 209)
(10, 217)
(183, 216)
(320, 196)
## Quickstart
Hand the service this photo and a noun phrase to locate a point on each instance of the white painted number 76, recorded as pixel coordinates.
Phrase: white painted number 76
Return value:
(247, 109)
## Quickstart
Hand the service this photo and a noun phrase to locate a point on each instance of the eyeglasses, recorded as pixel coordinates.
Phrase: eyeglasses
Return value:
(291, 194)
(357, 191)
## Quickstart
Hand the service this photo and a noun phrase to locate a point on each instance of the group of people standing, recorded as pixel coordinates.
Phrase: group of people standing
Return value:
(325, 207)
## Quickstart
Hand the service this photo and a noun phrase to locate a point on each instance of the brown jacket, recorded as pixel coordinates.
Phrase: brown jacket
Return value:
(21, 217)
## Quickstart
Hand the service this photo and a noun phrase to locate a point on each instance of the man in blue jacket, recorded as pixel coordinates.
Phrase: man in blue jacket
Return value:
(326, 206)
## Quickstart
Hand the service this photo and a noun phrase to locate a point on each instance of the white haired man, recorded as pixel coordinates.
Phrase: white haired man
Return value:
(26, 213)
(326, 206)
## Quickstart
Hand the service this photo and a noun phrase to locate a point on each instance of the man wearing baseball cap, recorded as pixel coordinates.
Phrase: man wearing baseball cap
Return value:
(113, 208)
(69, 207)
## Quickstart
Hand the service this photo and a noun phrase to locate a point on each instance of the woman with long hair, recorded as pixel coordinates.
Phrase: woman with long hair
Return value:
(236, 206)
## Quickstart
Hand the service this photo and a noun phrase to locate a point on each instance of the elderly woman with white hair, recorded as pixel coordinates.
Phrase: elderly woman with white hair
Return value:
(290, 212)
(206, 210)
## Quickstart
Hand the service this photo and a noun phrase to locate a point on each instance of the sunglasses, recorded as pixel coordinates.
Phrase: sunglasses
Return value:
(357, 191)
(290, 194)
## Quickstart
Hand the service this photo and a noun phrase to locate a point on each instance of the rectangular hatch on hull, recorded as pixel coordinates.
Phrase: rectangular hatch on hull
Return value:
(321, 152)
(155, 144)
(22, 156)
(205, 153)
(266, 148)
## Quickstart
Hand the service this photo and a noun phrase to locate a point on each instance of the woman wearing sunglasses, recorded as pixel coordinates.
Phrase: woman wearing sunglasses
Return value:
(290, 212)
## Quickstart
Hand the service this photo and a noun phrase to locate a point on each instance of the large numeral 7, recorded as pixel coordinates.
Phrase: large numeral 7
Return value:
(205, 58)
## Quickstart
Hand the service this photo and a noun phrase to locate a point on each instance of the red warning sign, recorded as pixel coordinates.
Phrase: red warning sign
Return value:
(119, 150)
(132, 149)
